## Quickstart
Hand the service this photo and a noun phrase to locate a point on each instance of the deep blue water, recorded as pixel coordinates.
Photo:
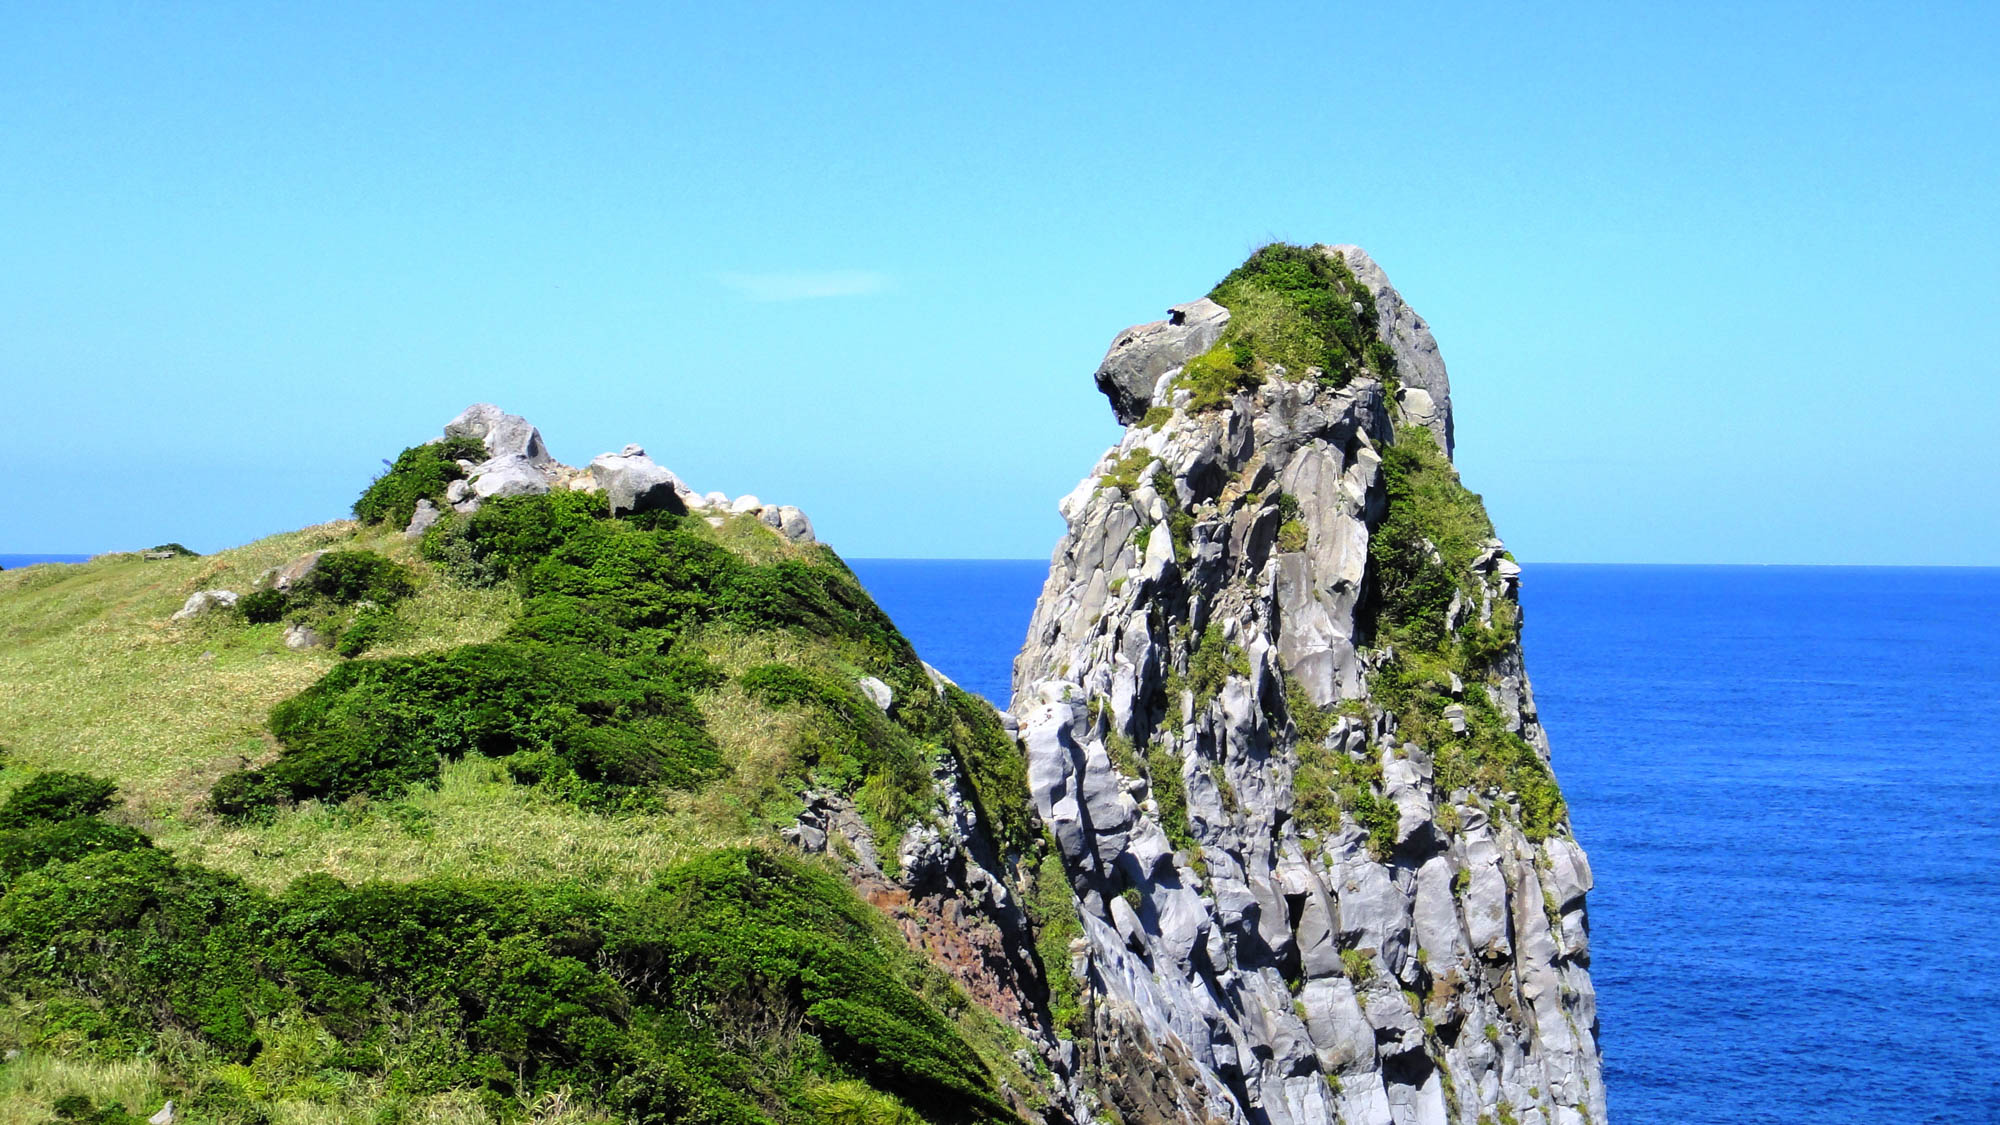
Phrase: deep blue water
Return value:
(15, 562)
(1788, 780)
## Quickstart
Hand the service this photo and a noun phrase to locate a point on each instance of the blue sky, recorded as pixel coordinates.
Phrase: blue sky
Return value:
(1715, 283)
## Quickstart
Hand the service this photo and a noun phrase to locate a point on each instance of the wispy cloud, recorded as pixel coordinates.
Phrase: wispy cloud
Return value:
(806, 286)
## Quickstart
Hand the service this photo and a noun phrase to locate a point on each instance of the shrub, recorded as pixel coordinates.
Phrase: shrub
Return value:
(347, 577)
(47, 798)
(261, 607)
(1057, 924)
(176, 550)
(1302, 307)
(369, 628)
(376, 727)
(421, 472)
(1218, 374)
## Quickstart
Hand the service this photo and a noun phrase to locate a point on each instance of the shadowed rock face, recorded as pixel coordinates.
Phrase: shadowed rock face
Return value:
(1242, 966)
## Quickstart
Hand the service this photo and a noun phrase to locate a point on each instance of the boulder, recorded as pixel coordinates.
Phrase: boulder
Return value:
(1141, 354)
(512, 475)
(631, 482)
(299, 637)
(295, 572)
(421, 520)
(877, 692)
(202, 601)
(794, 525)
(506, 435)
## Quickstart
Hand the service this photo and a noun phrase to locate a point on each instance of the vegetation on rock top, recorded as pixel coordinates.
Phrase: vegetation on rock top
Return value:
(1290, 307)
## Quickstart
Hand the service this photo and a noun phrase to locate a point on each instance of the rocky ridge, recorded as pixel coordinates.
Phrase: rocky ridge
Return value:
(1211, 667)
(518, 464)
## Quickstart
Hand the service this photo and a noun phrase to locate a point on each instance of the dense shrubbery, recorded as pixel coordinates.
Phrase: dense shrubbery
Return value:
(347, 595)
(380, 726)
(1296, 307)
(1419, 559)
(421, 472)
(728, 992)
(589, 692)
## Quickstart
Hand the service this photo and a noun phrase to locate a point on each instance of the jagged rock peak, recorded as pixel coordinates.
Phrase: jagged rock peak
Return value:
(1278, 724)
(1144, 360)
(518, 463)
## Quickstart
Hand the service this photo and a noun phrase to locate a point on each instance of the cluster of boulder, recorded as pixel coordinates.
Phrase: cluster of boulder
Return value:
(518, 463)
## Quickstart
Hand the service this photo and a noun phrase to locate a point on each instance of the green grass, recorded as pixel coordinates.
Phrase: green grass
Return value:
(94, 678)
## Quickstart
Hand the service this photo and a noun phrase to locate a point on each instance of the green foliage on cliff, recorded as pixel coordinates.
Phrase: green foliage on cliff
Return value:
(421, 472)
(1057, 924)
(1292, 307)
(730, 989)
(1420, 559)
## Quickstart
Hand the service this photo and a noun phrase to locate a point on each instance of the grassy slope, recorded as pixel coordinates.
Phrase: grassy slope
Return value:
(94, 677)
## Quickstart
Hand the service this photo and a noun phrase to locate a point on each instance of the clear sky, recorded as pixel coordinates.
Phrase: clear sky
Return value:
(1716, 283)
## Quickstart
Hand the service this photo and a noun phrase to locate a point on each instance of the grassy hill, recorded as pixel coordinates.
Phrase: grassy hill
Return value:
(516, 860)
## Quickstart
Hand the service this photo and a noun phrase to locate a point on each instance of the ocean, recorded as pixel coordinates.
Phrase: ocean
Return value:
(1788, 781)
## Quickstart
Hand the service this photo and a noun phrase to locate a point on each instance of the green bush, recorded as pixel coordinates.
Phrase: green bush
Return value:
(1057, 924)
(1217, 375)
(347, 577)
(421, 472)
(261, 607)
(741, 980)
(377, 727)
(47, 798)
(1297, 307)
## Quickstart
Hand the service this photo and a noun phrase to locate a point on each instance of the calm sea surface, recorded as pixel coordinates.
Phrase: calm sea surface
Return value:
(1788, 780)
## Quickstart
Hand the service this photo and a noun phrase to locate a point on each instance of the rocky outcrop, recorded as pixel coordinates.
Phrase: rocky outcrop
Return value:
(1141, 354)
(1308, 892)
(518, 463)
(205, 601)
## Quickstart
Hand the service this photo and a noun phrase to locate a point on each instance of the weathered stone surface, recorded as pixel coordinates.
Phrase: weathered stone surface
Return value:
(506, 435)
(295, 572)
(631, 482)
(204, 601)
(421, 520)
(298, 637)
(877, 692)
(511, 475)
(1419, 365)
(1141, 354)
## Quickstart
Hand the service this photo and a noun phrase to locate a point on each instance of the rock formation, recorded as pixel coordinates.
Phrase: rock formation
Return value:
(518, 464)
(1278, 724)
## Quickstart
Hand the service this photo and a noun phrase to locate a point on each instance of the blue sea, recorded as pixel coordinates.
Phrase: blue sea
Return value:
(1788, 780)
(16, 562)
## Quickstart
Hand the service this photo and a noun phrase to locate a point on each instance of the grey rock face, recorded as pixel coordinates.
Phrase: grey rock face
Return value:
(505, 435)
(204, 601)
(300, 637)
(1141, 354)
(1419, 366)
(631, 482)
(1302, 974)
(421, 520)
(294, 572)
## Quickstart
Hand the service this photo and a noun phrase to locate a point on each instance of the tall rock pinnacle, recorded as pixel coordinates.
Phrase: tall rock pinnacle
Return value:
(1278, 724)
